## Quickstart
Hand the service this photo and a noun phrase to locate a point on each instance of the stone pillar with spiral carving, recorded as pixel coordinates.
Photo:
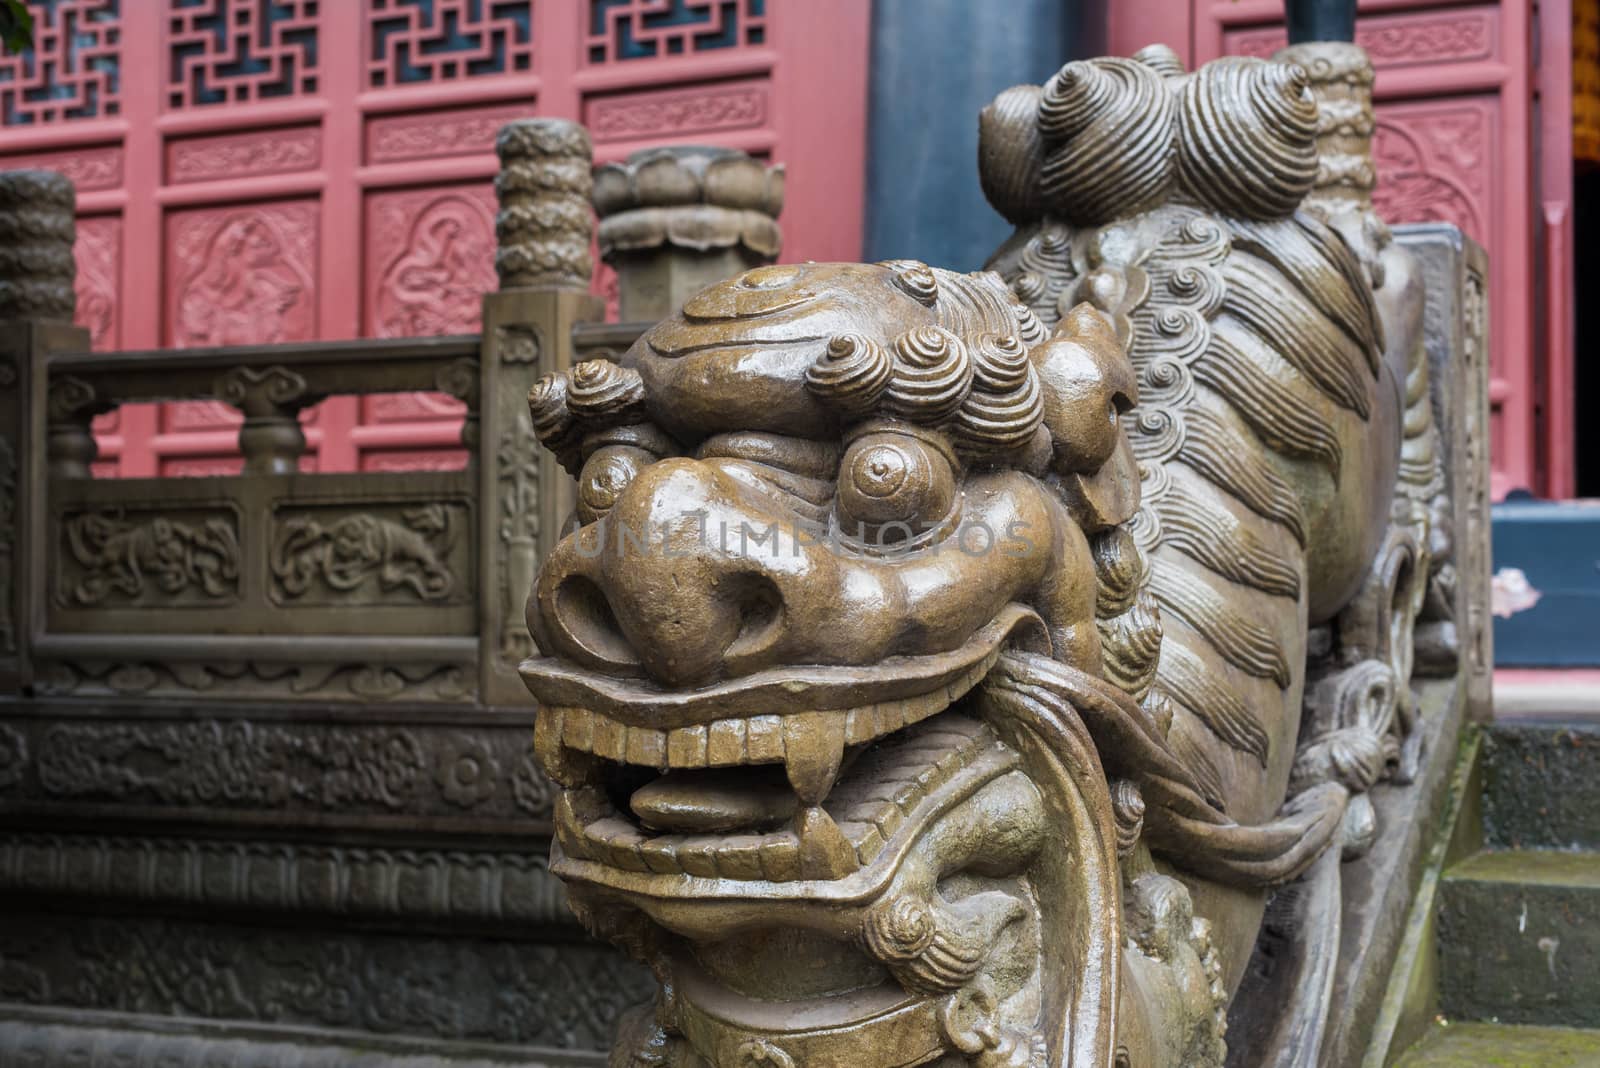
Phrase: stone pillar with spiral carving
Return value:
(36, 235)
(675, 220)
(1341, 81)
(545, 230)
(543, 227)
(37, 274)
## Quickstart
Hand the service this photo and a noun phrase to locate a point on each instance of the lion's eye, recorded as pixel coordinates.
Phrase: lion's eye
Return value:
(892, 487)
(605, 475)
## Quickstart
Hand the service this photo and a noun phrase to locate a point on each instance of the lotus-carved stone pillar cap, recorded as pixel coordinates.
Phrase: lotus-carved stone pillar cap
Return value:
(689, 196)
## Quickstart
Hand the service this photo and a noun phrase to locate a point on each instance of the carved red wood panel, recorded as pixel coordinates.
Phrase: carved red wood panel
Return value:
(263, 170)
(1455, 142)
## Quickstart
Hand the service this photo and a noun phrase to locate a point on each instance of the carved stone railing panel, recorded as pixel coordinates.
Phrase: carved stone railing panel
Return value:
(232, 586)
(372, 555)
(147, 555)
(264, 556)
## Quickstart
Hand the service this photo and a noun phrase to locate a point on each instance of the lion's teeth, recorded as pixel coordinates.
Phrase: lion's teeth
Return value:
(812, 755)
(725, 743)
(813, 749)
(568, 767)
(569, 828)
(825, 853)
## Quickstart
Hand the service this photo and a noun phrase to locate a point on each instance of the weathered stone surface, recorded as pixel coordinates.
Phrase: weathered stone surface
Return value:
(1519, 935)
(1379, 886)
(1456, 631)
(1542, 787)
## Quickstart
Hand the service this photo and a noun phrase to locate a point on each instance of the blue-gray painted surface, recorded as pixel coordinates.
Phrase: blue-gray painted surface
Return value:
(1557, 545)
(935, 64)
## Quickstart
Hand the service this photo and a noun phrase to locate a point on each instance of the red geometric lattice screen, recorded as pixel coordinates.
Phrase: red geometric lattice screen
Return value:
(284, 170)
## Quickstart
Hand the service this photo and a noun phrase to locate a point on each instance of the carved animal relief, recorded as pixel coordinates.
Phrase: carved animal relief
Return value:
(368, 557)
(117, 559)
(926, 670)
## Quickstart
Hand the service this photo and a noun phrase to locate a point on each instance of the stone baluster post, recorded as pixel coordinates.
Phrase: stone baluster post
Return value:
(37, 274)
(270, 398)
(461, 379)
(545, 229)
(675, 220)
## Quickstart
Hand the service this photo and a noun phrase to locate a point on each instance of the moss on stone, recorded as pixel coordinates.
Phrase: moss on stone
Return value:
(1478, 1045)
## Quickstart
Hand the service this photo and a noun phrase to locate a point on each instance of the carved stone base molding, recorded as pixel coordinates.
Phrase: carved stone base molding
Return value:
(254, 680)
(489, 990)
(461, 886)
(227, 765)
(43, 1039)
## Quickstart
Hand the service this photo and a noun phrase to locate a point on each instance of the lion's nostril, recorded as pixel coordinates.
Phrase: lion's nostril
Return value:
(582, 611)
(760, 620)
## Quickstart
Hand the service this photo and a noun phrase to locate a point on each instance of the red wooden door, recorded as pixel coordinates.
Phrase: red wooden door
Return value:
(281, 170)
(1457, 140)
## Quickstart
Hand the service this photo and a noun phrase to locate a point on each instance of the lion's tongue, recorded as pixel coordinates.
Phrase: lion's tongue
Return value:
(715, 802)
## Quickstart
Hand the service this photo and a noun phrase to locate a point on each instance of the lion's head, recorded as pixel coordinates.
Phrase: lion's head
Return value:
(826, 517)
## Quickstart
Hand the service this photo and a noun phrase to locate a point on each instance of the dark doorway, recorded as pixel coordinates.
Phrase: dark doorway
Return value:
(1586, 352)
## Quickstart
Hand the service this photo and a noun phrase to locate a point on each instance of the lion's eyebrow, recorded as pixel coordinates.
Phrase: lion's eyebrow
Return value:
(809, 499)
(805, 457)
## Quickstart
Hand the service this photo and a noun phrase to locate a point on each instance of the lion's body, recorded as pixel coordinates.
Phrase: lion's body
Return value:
(1266, 432)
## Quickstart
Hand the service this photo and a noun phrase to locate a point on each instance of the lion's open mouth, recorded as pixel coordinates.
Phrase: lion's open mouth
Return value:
(786, 776)
(762, 833)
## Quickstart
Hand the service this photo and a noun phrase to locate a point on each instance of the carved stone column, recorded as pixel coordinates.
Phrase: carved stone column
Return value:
(675, 220)
(36, 308)
(545, 230)
(1341, 80)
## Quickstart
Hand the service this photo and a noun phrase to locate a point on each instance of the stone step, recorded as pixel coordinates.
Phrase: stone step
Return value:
(1519, 935)
(1478, 1045)
(1541, 786)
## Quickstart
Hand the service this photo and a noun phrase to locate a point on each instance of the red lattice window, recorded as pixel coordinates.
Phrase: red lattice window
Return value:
(73, 70)
(240, 51)
(294, 170)
(414, 42)
(660, 29)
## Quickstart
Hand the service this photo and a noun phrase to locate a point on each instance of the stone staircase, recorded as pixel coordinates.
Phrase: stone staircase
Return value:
(1512, 977)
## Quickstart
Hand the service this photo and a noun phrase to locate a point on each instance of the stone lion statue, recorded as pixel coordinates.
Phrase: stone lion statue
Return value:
(943, 668)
